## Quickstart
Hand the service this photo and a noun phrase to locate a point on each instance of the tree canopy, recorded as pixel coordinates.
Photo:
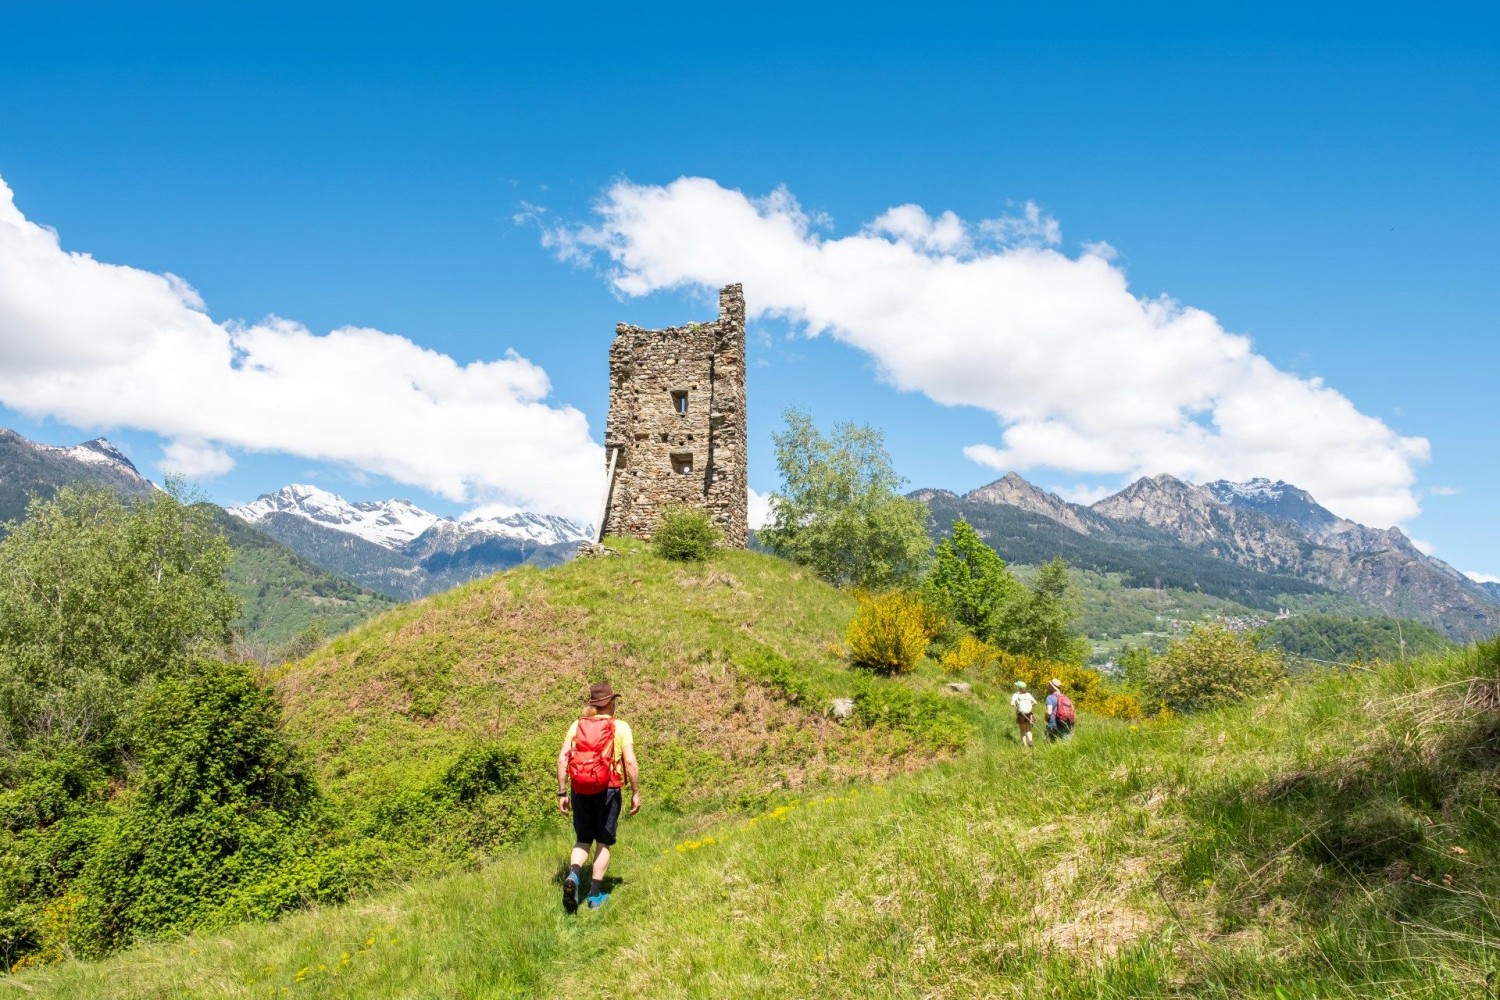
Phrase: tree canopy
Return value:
(97, 596)
(839, 510)
(969, 582)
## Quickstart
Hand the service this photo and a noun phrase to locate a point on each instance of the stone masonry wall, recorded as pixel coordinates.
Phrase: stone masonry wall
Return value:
(677, 423)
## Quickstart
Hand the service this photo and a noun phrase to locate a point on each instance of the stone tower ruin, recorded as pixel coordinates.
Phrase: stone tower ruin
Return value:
(676, 431)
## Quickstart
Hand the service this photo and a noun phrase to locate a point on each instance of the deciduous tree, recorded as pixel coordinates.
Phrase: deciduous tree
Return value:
(839, 510)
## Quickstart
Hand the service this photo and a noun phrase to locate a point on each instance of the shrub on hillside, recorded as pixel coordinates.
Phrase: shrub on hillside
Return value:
(929, 719)
(685, 534)
(224, 823)
(970, 654)
(890, 632)
(1212, 666)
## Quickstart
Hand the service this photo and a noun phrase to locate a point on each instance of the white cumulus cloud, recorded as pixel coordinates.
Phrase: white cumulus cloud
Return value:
(195, 459)
(103, 345)
(1082, 376)
(1084, 494)
(760, 510)
(1482, 577)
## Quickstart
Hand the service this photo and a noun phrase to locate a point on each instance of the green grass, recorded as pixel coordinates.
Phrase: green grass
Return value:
(1340, 838)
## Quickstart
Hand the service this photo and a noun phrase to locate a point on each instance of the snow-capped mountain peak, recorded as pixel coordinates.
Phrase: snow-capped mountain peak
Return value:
(96, 452)
(1282, 501)
(544, 529)
(388, 523)
(396, 524)
(1259, 488)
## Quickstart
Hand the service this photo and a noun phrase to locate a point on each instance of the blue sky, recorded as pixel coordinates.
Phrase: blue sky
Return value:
(1320, 182)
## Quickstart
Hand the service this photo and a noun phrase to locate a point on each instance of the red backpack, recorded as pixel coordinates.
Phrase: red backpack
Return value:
(1065, 713)
(591, 764)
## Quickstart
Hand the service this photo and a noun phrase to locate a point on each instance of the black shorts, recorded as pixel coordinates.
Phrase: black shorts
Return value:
(596, 817)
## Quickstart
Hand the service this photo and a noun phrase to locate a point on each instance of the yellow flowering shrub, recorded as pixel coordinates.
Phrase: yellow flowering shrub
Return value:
(890, 632)
(970, 654)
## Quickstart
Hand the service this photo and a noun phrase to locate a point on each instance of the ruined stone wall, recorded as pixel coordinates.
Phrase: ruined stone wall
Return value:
(677, 423)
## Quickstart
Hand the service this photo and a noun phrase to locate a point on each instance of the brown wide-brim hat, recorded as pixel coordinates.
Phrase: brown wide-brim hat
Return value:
(600, 695)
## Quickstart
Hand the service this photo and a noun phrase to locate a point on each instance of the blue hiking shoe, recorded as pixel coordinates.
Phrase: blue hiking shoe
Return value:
(598, 899)
(570, 892)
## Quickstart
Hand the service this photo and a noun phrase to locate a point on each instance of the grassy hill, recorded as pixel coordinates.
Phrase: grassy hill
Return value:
(727, 666)
(1336, 839)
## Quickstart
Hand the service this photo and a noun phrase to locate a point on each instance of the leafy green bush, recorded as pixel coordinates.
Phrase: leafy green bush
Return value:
(223, 824)
(685, 534)
(927, 717)
(781, 674)
(474, 801)
(890, 631)
(1212, 666)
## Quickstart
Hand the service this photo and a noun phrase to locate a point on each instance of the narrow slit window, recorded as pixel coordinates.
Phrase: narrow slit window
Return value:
(679, 401)
(682, 463)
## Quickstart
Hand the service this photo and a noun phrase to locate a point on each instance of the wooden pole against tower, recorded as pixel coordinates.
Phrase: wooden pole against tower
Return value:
(609, 486)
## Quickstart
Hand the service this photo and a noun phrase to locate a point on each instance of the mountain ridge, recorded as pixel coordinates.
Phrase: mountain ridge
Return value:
(399, 549)
(1270, 528)
(398, 523)
(29, 469)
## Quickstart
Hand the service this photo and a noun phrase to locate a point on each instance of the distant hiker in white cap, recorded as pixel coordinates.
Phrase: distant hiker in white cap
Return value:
(1024, 704)
(597, 758)
(1060, 713)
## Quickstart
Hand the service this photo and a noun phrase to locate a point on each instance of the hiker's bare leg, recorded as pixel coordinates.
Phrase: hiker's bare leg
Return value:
(601, 865)
(1025, 725)
(580, 857)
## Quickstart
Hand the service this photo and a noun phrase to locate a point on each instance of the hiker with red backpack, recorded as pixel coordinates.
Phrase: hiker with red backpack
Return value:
(597, 758)
(1060, 713)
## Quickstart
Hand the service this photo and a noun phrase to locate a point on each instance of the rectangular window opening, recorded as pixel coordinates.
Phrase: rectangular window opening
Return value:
(682, 463)
(679, 401)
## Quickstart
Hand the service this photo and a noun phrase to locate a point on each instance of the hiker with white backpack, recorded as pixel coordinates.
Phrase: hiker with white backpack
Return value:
(597, 759)
(1023, 702)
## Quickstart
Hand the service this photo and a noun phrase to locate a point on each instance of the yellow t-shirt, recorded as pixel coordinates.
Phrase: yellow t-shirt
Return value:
(624, 740)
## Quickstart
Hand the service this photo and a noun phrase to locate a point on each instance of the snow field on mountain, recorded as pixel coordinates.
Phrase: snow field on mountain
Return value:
(395, 524)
